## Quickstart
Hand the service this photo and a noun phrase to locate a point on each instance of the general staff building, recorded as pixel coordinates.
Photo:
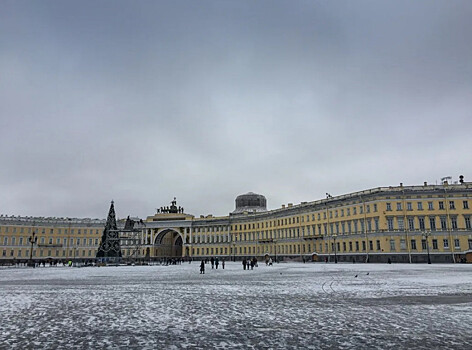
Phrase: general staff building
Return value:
(384, 224)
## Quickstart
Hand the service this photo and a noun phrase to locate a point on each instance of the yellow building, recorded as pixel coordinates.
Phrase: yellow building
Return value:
(396, 223)
(53, 238)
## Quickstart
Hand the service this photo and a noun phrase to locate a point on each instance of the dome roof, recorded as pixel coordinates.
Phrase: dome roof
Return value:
(250, 202)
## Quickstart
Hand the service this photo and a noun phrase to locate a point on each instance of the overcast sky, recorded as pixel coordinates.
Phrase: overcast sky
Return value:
(141, 101)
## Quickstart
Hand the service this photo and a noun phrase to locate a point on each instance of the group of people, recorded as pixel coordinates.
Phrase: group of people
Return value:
(214, 264)
(249, 263)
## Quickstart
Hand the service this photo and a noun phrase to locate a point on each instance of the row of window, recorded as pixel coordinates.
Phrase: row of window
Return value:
(409, 205)
(49, 253)
(340, 247)
(30, 230)
(344, 227)
(355, 246)
(23, 241)
(419, 223)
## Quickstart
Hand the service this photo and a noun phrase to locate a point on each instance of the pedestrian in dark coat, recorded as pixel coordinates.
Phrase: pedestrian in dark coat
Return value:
(212, 262)
(202, 267)
(216, 263)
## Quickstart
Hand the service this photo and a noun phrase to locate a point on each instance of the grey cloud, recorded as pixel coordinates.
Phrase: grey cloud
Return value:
(142, 101)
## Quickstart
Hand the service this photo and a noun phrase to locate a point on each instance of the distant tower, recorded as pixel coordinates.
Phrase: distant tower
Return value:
(110, 243)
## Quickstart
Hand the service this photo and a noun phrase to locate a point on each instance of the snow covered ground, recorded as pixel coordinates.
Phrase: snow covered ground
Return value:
(286, 306)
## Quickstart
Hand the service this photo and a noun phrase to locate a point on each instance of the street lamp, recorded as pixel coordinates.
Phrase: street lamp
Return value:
(335, 249)
(275, 250)
(426, 235)
(33, 240)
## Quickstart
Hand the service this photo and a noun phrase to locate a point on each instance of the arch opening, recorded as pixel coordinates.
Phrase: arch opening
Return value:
(168, 244)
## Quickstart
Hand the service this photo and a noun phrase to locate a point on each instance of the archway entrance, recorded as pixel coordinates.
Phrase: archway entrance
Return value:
(168, 244)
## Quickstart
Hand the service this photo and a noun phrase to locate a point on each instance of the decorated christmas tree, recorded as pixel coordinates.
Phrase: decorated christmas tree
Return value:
(110, 243)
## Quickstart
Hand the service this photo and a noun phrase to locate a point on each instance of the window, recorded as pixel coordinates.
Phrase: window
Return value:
(467, 223)
(441, 205)
(367, 208)
(357, 246)
(361, 210)
(465, 204)
(389, 207)
(420, 205)
(376, 223)
(421, 222)
(452, 205)
(371, 245)
(344, 246)
(363, 246)
(390, 224)
(354, 211)
(443, 223)
(350, 245)
(454, 223)
(470, 243)
(432, 223)
(411, 224)
(392, 245)
(457, 243)
(399, 206)
(423, 244)
(409, 206)
(413, 244)
(435, 244)
(401, 223)
(446, 243)
(430, 206)
(378, 244)
(375, 207)
(402, 244)
(348, 210)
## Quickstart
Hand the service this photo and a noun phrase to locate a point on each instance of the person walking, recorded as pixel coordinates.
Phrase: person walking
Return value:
(244, 264)
(223, 264)
(202, 267)
(216, 263)
(212, 262)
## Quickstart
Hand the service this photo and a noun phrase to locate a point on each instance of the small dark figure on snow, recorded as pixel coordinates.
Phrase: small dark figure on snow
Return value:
(244, 264)
(212, 262)
(216, 263)
(223, 264)
(202, 267)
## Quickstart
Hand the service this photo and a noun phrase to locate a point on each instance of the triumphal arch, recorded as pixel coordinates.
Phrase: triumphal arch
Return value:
(168, 232)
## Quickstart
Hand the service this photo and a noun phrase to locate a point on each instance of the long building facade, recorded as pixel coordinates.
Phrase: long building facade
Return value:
(385, 224)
